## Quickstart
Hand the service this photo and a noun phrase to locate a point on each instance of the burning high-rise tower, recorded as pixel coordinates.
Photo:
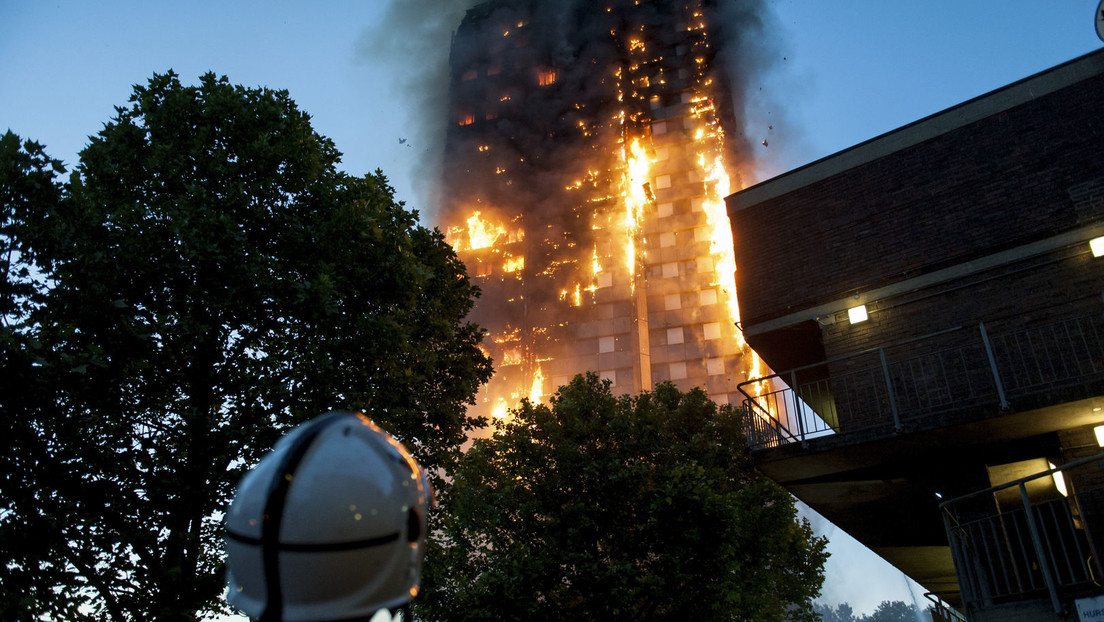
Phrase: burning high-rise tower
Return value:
(585, 171)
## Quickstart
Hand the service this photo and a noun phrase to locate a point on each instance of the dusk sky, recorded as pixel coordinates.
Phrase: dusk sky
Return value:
(843, 71)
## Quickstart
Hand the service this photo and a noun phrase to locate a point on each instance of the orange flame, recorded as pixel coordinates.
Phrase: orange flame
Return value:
(513, 264)
(619, 200)
(635, 194)
(483, 234)
(537, 392)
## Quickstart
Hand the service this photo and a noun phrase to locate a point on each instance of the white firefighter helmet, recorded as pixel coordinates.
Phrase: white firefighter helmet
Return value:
(330, 525)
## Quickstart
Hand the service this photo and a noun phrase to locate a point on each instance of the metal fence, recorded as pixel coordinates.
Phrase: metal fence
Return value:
(1035, 550)
(910, 380)
(1053, 355)
(941, 611)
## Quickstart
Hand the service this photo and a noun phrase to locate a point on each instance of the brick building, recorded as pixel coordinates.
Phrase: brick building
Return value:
(973, 388)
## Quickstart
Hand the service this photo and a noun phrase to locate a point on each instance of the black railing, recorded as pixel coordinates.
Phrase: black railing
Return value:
(941, 611)
(1027, 547)
(905, 382)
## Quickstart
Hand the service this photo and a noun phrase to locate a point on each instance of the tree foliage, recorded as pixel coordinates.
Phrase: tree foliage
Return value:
(620, 508)
(887, 611)
(212, 280)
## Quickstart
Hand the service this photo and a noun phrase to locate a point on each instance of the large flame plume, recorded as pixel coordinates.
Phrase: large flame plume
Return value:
(588, 202)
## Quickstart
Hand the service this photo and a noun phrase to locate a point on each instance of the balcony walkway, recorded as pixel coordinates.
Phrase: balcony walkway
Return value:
(923, 383)
(877, 440)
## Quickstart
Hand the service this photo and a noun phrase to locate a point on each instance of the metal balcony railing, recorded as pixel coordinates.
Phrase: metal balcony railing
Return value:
(942, 612)
(891, 386)
(1036, 549)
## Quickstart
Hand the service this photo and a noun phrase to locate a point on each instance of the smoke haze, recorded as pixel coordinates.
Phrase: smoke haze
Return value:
(416, 35)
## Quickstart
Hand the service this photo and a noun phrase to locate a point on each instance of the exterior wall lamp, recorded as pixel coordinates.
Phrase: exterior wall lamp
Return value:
(1097, 246)
(857, 314)
(1059, 480)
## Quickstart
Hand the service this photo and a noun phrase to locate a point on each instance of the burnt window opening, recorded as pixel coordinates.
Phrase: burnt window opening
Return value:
(546, 76)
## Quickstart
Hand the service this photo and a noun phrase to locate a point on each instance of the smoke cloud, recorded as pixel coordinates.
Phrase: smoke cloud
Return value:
(750, 51)
(417, 35)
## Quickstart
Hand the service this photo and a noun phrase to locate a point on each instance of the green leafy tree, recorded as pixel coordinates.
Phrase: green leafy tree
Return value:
(29, 194)
(842, 612)
(620, 508)
(212, 280)
(887, 611)
(894, 611)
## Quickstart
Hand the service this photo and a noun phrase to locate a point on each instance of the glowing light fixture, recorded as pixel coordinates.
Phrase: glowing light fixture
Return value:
(857, 314)
(1059, 480)
(1099, 431)
(1097, 246)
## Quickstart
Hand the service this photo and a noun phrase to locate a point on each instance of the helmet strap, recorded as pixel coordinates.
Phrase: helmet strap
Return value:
(274, 514)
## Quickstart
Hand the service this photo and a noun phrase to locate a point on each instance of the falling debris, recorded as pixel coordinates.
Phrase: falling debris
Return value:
(764, 142)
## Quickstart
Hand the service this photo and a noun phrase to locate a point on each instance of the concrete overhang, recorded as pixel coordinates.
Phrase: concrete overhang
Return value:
(884, 489)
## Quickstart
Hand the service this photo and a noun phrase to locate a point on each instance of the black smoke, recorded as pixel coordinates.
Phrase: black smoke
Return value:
(417, 35)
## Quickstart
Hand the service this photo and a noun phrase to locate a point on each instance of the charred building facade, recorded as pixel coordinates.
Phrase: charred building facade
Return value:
(588, 153)
(933, 299)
